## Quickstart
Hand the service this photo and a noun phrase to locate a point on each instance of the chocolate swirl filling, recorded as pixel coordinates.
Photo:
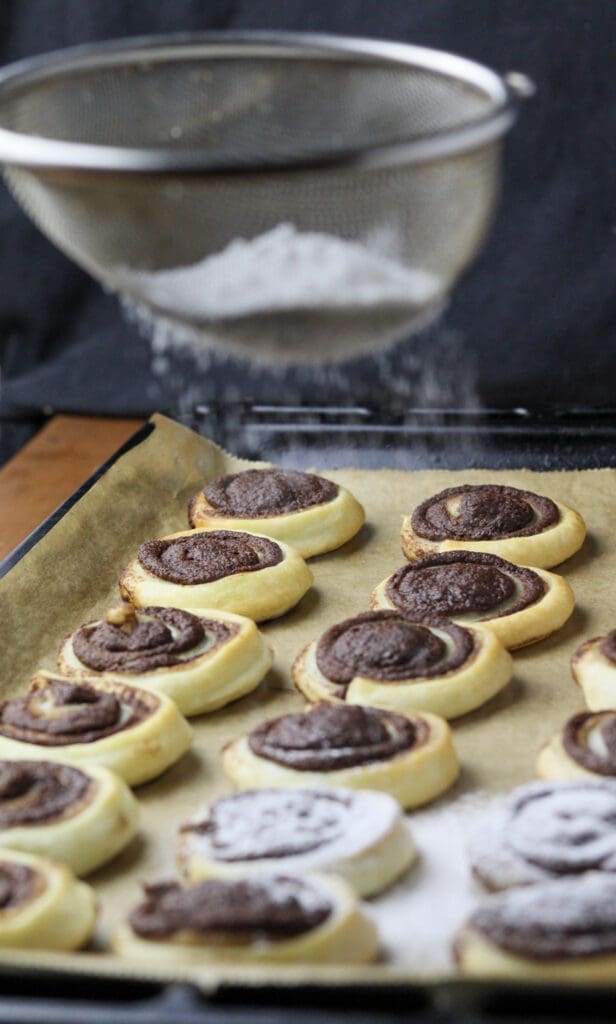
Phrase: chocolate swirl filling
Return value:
(147, 640)
(258, 493)
(385, 645)
(207, 556)
(330, 737)
(18, 884)
(483, 512)
(590, 739)
(35, 792)
(58, 712)
(274, 908)
(608, 647)
(564, 828)
(270, 823)
(464, 583)
(553, 920)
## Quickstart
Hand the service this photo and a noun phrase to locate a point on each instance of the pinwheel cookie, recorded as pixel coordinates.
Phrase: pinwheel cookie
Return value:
(201, 661)
(584, 748)
(593, 667)
(409, 756)
(135, 733)
(520, 605)
(267, 919)
(385, 660)
(563, 930)
(42, 905)
(545, 830)
(80, 816)
(361, 837)
(201, 570)
(308, 512)
(523, 527)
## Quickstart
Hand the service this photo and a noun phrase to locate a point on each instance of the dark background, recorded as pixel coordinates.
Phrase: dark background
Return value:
(535, 317)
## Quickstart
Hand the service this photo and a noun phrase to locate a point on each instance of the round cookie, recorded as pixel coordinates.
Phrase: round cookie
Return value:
(312, 514)
(585, 748)
(563, 930)
(80, 816)
(519, 604)
(42, 905)
(201, 662)
(360, 836)
(383, 659)
(523, 527)
(135, 733)
(266, 919)
(412, 758)
(593, 667)
(545, 830)
(226, 570)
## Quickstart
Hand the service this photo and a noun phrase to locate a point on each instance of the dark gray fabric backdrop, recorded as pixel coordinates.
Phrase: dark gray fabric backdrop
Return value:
(535, 316)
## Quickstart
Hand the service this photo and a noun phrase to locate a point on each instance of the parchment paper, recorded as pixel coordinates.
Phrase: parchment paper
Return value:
(71, 576)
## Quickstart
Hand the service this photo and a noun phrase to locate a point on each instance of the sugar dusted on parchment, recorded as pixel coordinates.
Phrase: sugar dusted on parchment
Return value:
(418, 918)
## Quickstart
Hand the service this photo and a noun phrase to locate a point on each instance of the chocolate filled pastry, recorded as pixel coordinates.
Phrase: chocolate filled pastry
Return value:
(593, 667)
(225, 570)
(585, 748)
(308, 512)
(360, 836)
(42, 905)
(523, 527)
(269, 919)
(80, 816)
(384, 660)
(135, 733)
(520, 605)
(201, 661)
(411, 757)
(545, 830)
(563, 930)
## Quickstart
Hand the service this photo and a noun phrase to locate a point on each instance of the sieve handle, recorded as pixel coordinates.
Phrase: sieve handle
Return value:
(520, 85)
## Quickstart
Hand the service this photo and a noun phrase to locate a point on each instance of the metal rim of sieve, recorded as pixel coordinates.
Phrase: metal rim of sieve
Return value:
(24, 150)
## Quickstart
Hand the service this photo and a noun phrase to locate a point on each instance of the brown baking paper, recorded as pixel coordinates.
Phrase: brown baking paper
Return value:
(71, 576)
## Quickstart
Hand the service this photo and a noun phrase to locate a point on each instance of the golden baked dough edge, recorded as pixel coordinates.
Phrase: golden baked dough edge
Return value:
(540, 550)
(311, 531)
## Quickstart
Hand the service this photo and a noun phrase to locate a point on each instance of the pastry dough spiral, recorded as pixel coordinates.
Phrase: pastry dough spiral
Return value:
(518, 525)
(584, 748)
(272, 919)
(544, 830)
(202, 662)
(519, 604)
(80, 816)
(135, 733)
(385, 660)
(361, 837)
(411, 757)
(42, 905)
(308, 512)
(201, 570)
(593, 667)
(563, 930)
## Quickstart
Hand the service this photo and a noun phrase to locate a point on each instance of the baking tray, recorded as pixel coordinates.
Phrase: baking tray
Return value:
(368, 438)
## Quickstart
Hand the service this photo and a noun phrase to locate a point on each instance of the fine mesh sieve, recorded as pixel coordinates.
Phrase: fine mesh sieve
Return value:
(295, 195)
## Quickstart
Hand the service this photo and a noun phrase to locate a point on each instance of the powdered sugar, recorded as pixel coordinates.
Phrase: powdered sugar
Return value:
(299, 295)
(566, 917)
(544, 830)
(419, 917)
(293, 830)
